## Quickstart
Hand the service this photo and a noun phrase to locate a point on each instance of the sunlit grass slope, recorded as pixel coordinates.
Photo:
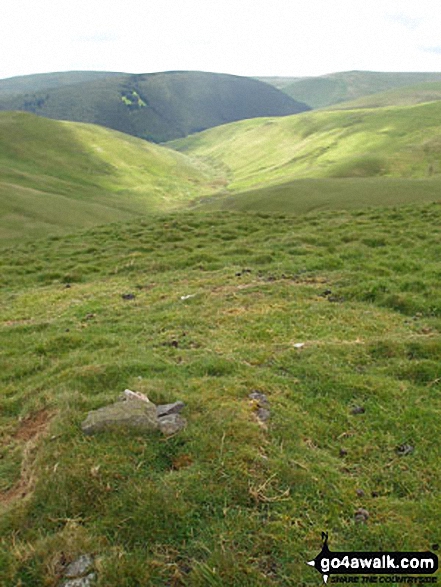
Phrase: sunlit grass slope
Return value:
(401, 142)
(307, 195)
(355, 412)
(58, 175)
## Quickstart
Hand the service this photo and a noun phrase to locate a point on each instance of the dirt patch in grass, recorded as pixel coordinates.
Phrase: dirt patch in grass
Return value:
(28, 433)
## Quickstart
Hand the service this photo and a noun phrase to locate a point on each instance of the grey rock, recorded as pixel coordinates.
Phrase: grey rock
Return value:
(135, 414)
(129, 395)
(86, 581)
(167, 409)
(263, 414)
(405, 449)
(260, 398)
(171, 424)
(361, 516)
(358, 410)
(80, 567)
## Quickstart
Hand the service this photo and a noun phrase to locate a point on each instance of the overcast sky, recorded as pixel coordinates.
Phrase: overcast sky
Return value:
(242, 37)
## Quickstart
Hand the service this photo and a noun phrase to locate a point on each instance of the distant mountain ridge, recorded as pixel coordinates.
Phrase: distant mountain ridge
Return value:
(335, 88)
(157, 107)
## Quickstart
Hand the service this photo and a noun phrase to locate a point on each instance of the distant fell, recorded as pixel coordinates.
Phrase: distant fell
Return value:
(326, 90)
(44, 81)
(406, 96)
(160, 106)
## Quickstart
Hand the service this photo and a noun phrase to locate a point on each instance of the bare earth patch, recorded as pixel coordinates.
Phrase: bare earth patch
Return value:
(28, 432)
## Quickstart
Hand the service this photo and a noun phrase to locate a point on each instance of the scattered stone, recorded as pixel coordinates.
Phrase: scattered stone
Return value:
(240, 273)
(135, 414)
(260, 398)
(358, 410)
(361, 516)
(375, 494)
(263, 414)
(80, 573)
(261, 405)
(128, 296)
(86, 581)
(336, 299)
(68, 286)
(343, 452)
(134, 410)
(167, 409)
(405, 449)
(360, 493)
(171, 424)
(82, 566)
(131, 395)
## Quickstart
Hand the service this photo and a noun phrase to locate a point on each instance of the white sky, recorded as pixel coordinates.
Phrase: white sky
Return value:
(242, 37)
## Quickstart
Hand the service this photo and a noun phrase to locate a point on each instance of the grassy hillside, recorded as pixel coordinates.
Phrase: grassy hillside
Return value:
(355, 412)
(319, 92)
(401, 142)
(302, 196)
(29, 84)
(55, 176)
(158, 107)
(418, 94)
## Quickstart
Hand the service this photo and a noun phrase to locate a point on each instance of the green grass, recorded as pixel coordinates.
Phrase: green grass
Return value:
(418, 94)
(335, 88)
(400, 142)
(302, 196)
(56, 176)
(224, 502)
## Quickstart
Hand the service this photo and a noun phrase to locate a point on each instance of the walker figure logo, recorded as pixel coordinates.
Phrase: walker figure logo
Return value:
(372, 563)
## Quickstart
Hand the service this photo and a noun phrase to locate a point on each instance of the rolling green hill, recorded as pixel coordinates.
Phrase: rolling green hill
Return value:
(56, 176)
(29, 84)
(334, 317)
(406, 96)
(326, 90)
(158, 107)
(401, 142)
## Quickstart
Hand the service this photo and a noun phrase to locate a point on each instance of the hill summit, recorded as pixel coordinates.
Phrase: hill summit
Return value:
(157, 107)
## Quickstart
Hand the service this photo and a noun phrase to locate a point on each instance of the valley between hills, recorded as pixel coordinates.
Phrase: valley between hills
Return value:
(234, 245)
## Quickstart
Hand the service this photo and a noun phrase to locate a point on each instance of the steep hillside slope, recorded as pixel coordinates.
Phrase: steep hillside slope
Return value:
(319, 92)
(158, 107)
(401, 142)
(28, 84)
(56, 176)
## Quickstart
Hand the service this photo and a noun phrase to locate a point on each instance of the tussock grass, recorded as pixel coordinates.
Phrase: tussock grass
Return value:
(226, 501)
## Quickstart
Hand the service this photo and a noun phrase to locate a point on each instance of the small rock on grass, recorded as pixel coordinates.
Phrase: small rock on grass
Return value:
(171, 424)
(136, 411)
(167, 409)
(82, 566)
(405, 449)
(87, 581)
(135, 414)
(261, 403)
(361, 516)
(358, 410)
